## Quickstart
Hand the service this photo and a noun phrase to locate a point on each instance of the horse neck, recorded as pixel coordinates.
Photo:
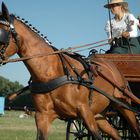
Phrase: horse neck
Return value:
(30, 41)
(41, 68)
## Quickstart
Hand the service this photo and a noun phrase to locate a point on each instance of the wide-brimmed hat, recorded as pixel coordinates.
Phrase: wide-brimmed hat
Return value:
(115, 2)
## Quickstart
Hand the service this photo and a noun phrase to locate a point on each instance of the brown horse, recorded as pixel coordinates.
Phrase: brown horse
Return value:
(66, 94)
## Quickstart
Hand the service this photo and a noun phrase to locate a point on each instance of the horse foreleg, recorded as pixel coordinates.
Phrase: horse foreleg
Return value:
(131, 118)
(90, 122)
(106, 127)
(43, 122)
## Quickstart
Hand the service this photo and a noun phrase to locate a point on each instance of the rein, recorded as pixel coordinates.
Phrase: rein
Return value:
(56, 52)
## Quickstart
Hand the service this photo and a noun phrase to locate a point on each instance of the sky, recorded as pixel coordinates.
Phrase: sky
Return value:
(66, 23)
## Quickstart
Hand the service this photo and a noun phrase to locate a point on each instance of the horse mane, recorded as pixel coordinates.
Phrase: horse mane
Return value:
(26, 23)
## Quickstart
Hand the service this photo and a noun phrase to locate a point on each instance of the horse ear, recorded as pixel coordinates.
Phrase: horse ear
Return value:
(5, 11)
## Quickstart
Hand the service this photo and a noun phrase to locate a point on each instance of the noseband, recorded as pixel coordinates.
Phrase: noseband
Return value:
(5, 36)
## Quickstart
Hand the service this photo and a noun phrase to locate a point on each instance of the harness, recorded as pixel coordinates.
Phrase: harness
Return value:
(67, 78)
(38, 87)
(55, 83)
(5, 35)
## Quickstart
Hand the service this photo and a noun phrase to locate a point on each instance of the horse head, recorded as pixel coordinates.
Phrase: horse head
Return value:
(8, 36)
(16, 37)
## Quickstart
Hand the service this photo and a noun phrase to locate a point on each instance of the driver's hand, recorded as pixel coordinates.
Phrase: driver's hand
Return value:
(110, 41)
(125, 34)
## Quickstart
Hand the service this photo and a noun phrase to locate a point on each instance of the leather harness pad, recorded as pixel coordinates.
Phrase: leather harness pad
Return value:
(40, 87)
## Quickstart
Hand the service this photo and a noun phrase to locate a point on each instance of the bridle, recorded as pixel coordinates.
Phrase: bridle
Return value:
(5, 36)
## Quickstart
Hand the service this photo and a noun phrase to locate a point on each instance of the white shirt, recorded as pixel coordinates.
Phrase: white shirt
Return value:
(124, 25)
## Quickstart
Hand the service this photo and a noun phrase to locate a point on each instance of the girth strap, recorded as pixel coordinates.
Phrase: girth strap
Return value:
(40, 87)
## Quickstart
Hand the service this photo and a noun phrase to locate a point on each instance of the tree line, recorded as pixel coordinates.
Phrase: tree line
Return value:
(7, 88)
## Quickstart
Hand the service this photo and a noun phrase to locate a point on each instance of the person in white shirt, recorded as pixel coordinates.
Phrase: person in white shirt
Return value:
(122, 30)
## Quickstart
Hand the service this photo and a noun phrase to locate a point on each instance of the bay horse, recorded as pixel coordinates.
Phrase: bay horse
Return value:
(60, 83)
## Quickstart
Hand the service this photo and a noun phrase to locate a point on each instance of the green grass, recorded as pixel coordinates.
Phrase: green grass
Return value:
(14, 128)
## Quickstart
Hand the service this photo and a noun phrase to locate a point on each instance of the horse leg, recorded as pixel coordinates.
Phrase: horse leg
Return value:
(90, 122)
(131, 118)
(106, 127)
(43, 123)
(129, 115)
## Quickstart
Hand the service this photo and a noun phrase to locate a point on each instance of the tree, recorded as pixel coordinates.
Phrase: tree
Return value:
(7, 87)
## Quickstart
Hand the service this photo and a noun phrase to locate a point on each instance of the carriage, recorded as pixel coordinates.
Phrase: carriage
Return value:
(58, 77)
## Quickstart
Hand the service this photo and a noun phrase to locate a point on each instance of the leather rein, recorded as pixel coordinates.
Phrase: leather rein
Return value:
(70, 50)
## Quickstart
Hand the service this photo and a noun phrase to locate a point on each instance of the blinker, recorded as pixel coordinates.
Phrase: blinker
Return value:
(4, 36)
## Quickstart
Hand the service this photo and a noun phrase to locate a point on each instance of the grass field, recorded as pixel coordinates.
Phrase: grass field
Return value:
(14, 128)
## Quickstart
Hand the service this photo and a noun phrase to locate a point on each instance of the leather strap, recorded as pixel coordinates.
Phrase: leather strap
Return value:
(40, 87)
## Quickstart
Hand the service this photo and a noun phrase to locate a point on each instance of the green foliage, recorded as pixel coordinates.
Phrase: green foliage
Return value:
(7, 87)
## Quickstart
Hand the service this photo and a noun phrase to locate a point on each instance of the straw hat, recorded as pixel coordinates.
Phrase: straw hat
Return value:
(115, 2)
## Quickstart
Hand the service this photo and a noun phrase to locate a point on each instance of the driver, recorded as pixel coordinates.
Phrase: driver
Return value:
(122, 29)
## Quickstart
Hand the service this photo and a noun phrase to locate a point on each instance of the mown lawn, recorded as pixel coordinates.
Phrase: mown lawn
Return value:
(14, 128)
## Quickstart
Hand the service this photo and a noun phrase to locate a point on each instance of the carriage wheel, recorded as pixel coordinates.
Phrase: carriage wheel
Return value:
(77, 131)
